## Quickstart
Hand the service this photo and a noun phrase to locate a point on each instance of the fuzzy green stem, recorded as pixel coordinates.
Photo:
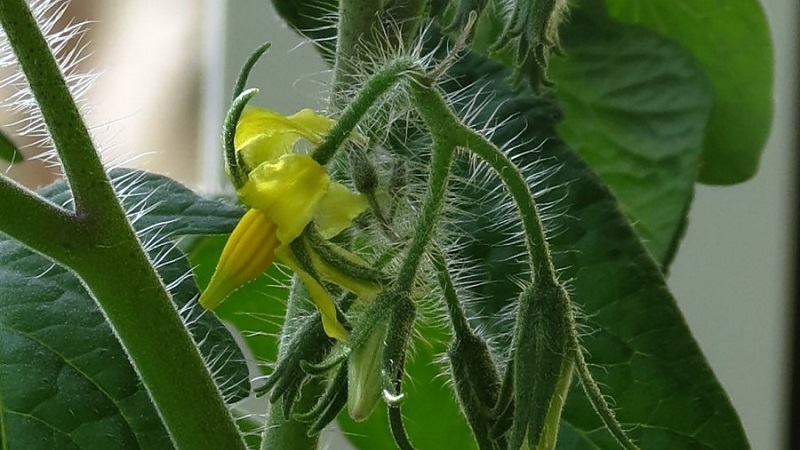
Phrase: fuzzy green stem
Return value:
(85, 173)
(39, 224)
(426, 224)
(377, 85)
(359, 24)
(281, 431)
(457, 318)
(539, 255)
(597, 400)
(134, 300)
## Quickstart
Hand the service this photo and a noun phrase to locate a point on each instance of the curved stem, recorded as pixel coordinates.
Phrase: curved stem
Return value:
(457, 318)
(398, 430)
(373, 89)
(539, 255)
(598, 401)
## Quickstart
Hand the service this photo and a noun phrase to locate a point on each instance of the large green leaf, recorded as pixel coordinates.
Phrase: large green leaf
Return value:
(65, 382)
(635, 108)
(731, 40)
(637, 342)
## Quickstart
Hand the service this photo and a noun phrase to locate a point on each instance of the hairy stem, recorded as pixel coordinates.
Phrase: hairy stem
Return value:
(598, 401)
(359, 25)
(539, 255)
(85, 172)
(39, 224)
(426, 224)
(281, 431)
(373, 89)
(134, 300)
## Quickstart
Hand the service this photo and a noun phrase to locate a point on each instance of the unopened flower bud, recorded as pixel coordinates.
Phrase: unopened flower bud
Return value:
(364, 375)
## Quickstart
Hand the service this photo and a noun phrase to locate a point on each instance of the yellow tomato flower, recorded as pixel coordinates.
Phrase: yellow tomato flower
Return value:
(285, 191)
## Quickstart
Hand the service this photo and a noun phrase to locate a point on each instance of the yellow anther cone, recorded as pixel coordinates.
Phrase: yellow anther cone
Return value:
(249, 251)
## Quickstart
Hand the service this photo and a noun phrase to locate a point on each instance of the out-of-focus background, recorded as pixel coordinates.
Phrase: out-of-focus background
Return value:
(167, 70)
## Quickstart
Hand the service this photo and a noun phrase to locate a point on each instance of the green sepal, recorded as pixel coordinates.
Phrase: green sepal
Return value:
(333, 390)
(477, 385)
(234, 166)
(540, 344)
(244, 73)
(309, 343)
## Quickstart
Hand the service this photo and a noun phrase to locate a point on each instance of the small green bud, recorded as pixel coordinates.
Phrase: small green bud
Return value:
(364, 175)
(364, 375)
(539, 349)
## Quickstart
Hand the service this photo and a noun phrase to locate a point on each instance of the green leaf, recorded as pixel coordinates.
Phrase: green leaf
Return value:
(732, 42)
(640, 350)
(636, 107)
(8, 149)
(65, 382)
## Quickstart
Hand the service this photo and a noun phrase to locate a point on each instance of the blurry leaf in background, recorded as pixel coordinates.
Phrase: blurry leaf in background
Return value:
(635, 108)
(65, 380)
(8, 149)
(731, 40)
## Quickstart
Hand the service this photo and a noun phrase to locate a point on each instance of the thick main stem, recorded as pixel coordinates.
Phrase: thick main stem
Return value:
(359, 23)
(134, 300)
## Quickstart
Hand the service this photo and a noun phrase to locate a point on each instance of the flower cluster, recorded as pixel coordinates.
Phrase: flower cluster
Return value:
(286, 191)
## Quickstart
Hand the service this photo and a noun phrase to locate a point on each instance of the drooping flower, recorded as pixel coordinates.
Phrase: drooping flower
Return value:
(285, 191)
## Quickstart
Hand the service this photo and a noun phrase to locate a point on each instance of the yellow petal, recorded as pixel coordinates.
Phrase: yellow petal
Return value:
(263, 135)
(338, 209)
(266, 147)
(315, 126)
(247, 254)
(288, 191)
(320, 297)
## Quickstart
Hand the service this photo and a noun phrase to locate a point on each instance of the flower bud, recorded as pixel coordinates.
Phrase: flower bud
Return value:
(364, 375)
